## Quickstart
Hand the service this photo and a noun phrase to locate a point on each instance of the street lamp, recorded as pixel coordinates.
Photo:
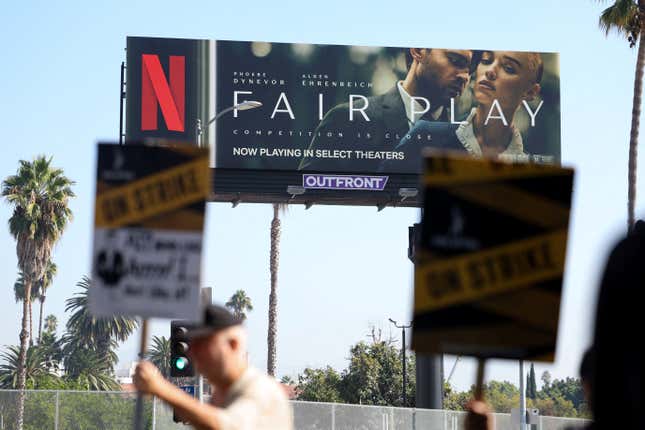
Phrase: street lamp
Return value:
(245, 105)
(405, 376)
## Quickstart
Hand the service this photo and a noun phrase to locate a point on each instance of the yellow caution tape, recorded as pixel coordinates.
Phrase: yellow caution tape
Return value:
(153, 195)
(470, 277)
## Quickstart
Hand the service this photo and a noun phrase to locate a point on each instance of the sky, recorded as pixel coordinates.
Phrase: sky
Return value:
(343, 270)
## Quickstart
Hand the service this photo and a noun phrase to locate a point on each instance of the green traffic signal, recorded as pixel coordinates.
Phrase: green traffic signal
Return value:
(181, 363)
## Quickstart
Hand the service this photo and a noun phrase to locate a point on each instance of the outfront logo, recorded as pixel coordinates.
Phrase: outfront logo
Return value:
(165, 92)
(344, 182)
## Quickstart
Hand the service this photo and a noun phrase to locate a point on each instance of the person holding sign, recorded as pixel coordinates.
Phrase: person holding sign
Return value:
(244, 398)
(612, 369)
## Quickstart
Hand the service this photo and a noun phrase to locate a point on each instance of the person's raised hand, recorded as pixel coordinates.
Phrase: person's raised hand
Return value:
(148, 379)
(479, 416)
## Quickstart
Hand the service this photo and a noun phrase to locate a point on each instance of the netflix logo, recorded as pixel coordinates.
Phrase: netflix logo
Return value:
(168, 93)
(162, 90)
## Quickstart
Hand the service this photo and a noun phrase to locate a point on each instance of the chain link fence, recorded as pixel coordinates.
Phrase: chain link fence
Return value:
(97, 410)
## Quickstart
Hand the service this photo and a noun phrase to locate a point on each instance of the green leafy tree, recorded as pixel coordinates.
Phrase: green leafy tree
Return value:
(554, 406)
(360, 379)
(36, 366)
(287, 380)
(89, 368)
(159, 354)
(546, 379)
(51, 324)
(39, 195)
(239, 304)
(319, 385)
(626, 18)
(98, 334)
(374, 376)
(502, 396)
(569, 389)
(52, 347)
(531, 386)
(454, 400)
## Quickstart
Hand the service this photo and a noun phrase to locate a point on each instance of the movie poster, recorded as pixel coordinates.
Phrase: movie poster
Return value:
(353, 109)
(338, 118)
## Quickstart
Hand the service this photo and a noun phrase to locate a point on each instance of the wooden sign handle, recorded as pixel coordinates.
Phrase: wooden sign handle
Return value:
(479, 384)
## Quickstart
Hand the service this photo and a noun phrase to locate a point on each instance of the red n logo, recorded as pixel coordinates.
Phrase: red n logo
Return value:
(155, 90)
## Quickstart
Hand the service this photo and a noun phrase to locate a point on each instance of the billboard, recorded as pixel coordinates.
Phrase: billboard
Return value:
(339, 124)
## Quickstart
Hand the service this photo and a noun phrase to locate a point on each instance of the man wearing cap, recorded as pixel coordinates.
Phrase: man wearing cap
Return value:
(243, 398)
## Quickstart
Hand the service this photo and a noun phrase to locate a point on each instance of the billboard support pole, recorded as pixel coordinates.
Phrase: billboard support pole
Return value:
(121, 102)
(429, 368)
(138, 412)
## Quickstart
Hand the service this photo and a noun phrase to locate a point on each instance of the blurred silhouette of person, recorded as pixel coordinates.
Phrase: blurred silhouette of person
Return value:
(616, 361)
(618, 380)
(586, 375)
(244, 398)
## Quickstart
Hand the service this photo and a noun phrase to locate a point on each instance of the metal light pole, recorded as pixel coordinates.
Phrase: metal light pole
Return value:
(405, 373)
(246, 105)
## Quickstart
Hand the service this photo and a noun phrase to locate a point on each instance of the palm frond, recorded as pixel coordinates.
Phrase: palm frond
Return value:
(618, 17)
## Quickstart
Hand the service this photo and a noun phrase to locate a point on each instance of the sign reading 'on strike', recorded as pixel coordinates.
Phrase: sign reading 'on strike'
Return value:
(488, 279)
(149, 218)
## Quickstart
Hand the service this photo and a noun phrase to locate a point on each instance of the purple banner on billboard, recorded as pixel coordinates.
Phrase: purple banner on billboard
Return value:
(344, 182)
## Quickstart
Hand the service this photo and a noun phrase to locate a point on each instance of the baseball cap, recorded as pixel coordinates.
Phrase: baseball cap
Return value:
(215, 317)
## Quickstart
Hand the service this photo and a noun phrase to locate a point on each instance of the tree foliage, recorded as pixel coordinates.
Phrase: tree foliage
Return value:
(319, 385)
(39, 195)
(531, 385)
(559, 398)
(36, 367)
(374, 376)
(82, 359)
(239, 304)
(159, 354)
(98, 334)
(626, 17)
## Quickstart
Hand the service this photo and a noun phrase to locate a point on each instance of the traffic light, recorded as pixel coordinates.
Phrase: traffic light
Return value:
(180, 365)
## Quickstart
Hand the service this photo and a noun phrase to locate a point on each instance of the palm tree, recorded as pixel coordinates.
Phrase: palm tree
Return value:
(40, 196)
(159, 354)
(78, 357)
(36, 366)
(99, 334)
(42, 285)
(273, 295)
(51, 324)
(88, 367)
(627, 18)
(239, 303)
(19, 294)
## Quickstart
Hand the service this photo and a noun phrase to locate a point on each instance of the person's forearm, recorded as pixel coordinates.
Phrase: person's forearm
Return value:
(201, 416)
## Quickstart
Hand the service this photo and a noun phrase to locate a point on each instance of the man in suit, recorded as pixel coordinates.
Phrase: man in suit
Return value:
(371, 126)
